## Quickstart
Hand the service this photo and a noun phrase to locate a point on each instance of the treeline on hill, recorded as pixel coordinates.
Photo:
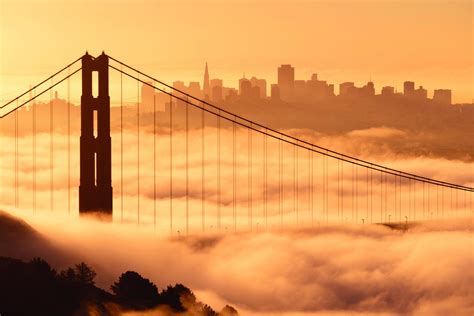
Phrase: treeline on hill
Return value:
(35, 288)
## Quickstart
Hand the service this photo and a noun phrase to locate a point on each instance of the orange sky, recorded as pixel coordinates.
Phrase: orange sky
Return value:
(429, 42)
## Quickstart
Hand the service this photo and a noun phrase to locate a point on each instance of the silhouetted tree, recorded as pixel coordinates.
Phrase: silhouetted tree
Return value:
(68, 275)
(135, 292)
(42, 268)
(228, 311)
(84, 274)
(177, 297)
(34, 288)
(207, 310)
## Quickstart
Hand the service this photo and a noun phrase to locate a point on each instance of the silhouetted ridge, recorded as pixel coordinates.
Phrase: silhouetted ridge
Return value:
(35, 288)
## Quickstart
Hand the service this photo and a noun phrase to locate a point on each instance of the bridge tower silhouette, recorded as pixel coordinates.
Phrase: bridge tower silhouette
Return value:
(95, 188)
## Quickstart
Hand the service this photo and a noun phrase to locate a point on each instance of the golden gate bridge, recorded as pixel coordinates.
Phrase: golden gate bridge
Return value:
(210, 170)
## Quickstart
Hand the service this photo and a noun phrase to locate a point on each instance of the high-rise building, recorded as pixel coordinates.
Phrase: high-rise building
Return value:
(262, 86)
(299, 90)
(387, 91)
(275, 92)
(421, 93)
(206, 88)
(216, 82)
(286, 81)
(442, 96)
(369, 89)
(245, 88)
(345, 88)
(216, 90)
(409, 88)
(194, 89)
(318, 89)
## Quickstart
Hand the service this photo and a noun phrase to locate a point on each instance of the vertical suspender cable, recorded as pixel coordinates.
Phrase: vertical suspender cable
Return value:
(51, 146)
(429, 204)
(187, 165)
(138, 149)
(203, 211)
(250, 175)
(371, 195)
(356, 195)
(265, 177)
(309, 185)
(171, 164)
(312, 187)
(280, 181)
(367, 193)
(342, 191)
(395, 199)
(34, 155)
(324, 188)
(121, 144)
(424, 211)
(327, 187)
(295, 182)
(68, 142)
(16, 156)
(400, 196)
(154, 158)
(381, 197)
(234, 176)
(414, 199)
(219, 171)
(353, 193)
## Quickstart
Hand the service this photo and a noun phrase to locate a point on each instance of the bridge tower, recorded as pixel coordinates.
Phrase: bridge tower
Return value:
(95, 188)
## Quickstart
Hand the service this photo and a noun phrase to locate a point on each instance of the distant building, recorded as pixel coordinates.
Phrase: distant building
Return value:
(348, 89)
(388, 91)
(368, 90)
(286, 81)
(442, 96)
(262, 86)
(345, 88)
(275, 92)
(206, 88)
(409, 88)
(194, 89)
(318, 89)
(299, 90)
(216, 94)
(245, 88)
(216, 82)
(229, 93)
(421, 93)
(216, 90)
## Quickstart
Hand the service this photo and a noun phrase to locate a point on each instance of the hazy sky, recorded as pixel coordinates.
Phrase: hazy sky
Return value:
(429, 42)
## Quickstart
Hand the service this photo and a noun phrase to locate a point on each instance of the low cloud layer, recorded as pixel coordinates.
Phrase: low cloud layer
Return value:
(367, 196)
(327, 270)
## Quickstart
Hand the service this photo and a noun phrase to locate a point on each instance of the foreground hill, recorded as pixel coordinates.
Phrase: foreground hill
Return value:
(29, 285)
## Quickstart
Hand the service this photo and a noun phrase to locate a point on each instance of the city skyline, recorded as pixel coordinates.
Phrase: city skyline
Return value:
(388, 42)
(286, 77)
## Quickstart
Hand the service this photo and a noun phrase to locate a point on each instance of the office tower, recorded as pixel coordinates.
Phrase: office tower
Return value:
(275, 92)
(387, 91)
(286, 81)
(345, 88)
(206, 88)
(262, 86)
(442, 96)
(409, 88)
